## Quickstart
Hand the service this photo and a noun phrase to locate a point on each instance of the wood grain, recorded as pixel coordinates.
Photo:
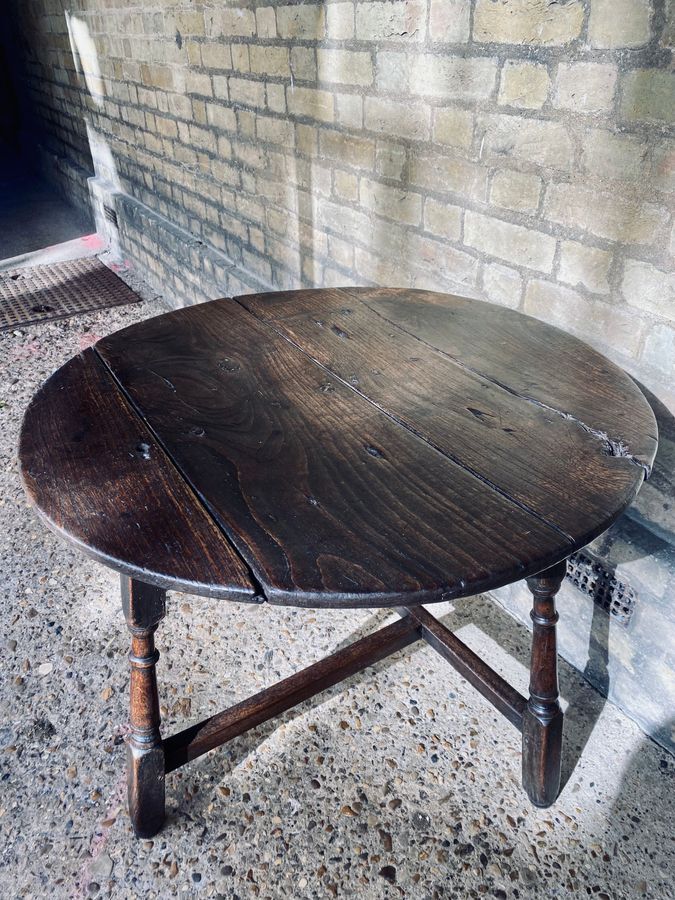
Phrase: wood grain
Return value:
(328, 500)
(354, 447)
(563, 473)
(99, 479)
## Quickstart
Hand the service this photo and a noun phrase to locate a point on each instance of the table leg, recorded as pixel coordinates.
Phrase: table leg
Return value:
(543, 717)
(144, 607)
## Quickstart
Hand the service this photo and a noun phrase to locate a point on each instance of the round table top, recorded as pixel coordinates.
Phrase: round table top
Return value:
(336, 447)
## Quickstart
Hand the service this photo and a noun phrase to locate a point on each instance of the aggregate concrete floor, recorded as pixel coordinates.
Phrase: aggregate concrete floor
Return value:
(401, 783)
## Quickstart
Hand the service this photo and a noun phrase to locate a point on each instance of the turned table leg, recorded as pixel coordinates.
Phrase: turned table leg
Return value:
(543, 717)
(144, 607)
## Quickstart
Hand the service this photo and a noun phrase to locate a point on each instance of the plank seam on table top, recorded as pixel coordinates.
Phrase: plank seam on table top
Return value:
(615, 446)
(409, 429)
(258, 587)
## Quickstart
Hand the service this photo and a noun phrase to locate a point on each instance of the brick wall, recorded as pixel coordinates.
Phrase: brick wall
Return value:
(518, 151)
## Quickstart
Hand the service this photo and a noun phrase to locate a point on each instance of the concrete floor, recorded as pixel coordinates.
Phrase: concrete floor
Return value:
(402, 783)
(35, 221)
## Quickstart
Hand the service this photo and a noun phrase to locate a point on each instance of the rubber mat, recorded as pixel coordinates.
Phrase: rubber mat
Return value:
(54, 292)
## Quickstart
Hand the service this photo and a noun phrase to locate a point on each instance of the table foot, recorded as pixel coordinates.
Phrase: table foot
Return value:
(543, 717)
(144, 608)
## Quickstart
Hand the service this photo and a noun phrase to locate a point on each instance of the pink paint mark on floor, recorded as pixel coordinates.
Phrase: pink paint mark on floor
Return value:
(88, 340)
(26, 351)
(93, 241)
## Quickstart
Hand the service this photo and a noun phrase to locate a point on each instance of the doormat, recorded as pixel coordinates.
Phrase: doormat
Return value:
(54, 292)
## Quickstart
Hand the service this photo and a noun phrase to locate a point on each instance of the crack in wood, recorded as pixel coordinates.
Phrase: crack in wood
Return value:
(412, 430)
(610, 446)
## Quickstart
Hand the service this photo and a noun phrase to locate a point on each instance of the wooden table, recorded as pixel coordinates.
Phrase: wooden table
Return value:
(336, 448)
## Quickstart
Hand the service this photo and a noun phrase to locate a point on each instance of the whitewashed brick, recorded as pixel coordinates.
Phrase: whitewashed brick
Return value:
(394, 20)
(453, 77)
(198, 83)
(454, 127)
(527, 22)
(230, 22)
(250, 93)
(659, 352)
(648, 95)
(449, 21)
(312, 103)
(584, 266)
(303, 63)
(395, 118)
(306, 21)
(519, 191)
(394, 71)
(442, 219)
(502, 285)
(616, 156)
(585, 87)
(612, 326)
(340, 21)
(524, 85)
(663, 172)
(216, 56)
(390, 202)
(270, 61)
(448, 174)
(350, 110)
(537, 141)
(240, 58)
(347, 149)
(619, 23)
(276, 97)
(221, 117)
(629, 220)
(648, 288)
(345, 67)
(346, 185)
(513, 243)
(390, 160)
(444, 262)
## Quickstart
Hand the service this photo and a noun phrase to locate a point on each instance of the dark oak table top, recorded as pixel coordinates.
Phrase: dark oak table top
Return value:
(336, 447)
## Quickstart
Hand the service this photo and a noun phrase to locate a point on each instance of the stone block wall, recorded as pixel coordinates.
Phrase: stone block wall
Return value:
(517, 151)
